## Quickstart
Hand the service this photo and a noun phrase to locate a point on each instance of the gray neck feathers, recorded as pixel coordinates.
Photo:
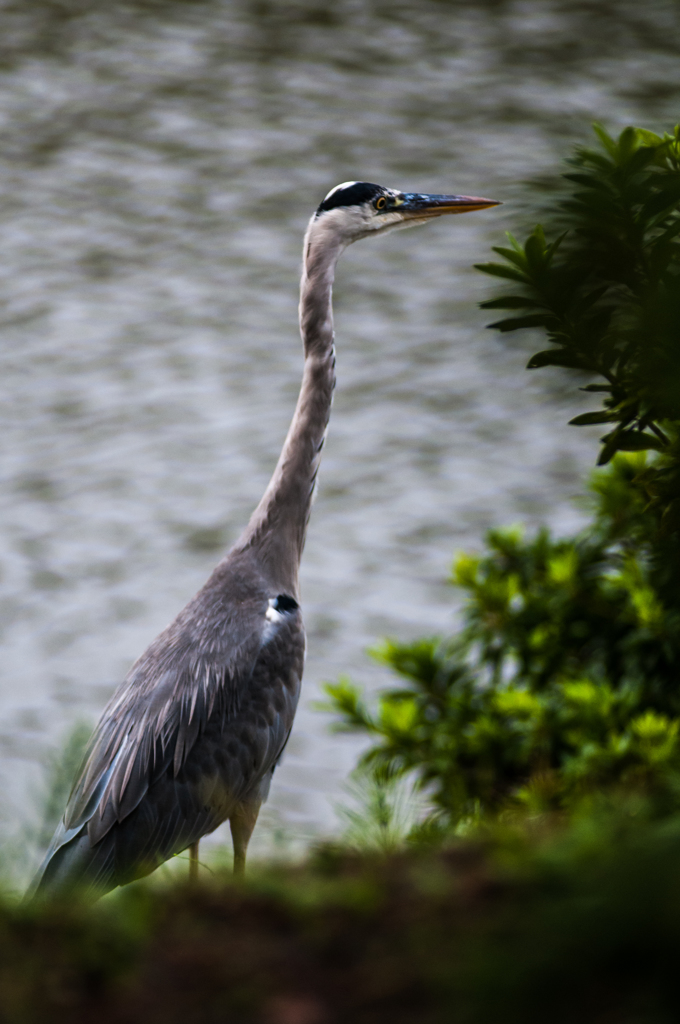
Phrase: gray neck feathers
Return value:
(276, 531)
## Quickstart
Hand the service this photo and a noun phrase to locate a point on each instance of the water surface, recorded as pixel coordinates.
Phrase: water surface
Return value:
(158, 163)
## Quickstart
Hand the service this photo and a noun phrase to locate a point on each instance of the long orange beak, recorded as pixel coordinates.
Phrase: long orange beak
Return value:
(419, 205)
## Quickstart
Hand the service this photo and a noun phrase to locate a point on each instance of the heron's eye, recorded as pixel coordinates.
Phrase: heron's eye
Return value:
(381, 203)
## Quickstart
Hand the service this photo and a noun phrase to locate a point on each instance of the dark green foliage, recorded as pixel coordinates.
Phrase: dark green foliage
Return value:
(565, 677)
(607, 289)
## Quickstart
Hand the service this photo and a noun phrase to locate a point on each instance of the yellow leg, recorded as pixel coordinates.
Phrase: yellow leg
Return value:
(193, 861)
(242, 823)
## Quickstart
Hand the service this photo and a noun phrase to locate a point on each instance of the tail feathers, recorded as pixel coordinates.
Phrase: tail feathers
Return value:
(76, 866)
(172, 816)
(154, 832)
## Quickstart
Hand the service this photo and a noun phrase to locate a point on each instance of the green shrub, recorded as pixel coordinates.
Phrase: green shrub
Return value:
(564, 678)
(606, 290)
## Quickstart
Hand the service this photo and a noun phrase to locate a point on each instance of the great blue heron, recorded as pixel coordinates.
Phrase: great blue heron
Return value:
(192, 736)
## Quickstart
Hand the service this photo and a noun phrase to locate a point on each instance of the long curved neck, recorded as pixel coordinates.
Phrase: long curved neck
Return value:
(278, 526)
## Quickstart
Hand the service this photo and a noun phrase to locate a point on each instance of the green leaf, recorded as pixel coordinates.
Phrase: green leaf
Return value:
(345, 701)
(519, 322)
(668, 235)
(513, 242)
(637, 441)
(535, 249)
(500, 270)
(648, 138)
(557, 357)
(627, 144)
(586, 418)
(554, 246)
(597, 387)
(508, 302)
(587, 301)
(606, 140)
(628, 441)
(589, 181)
(518, 258)
(590, 156)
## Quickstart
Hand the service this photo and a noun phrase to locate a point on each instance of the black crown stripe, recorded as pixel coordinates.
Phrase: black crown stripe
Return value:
(354, 195)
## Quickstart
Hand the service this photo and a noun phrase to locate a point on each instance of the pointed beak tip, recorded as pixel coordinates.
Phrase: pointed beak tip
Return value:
(478, 202)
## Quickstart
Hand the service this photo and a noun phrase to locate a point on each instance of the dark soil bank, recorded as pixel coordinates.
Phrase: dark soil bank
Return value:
(583, 930)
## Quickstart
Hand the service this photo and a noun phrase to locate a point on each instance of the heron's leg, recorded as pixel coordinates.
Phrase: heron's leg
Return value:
(242, 822)
(193, 861)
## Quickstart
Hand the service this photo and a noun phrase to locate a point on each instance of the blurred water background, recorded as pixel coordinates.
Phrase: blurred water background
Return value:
(158, 163)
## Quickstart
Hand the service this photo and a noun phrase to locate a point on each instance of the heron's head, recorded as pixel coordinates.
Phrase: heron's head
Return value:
(358, 209)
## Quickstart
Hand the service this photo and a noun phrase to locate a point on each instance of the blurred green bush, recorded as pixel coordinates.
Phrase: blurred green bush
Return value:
(581, 924)
(564, 679)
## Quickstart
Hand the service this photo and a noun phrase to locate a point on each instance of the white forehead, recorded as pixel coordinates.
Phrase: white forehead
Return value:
(344, 184)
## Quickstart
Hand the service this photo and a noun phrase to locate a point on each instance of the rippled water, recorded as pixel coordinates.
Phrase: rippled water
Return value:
(158, 163)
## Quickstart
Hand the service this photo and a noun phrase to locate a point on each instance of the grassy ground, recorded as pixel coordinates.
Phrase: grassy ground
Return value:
(533, 923)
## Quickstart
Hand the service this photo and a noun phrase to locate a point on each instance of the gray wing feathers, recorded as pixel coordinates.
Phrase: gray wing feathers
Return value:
(149, 725)
(177, 746)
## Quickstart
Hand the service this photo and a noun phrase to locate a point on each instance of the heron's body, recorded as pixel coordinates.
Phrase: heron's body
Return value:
(194, 733)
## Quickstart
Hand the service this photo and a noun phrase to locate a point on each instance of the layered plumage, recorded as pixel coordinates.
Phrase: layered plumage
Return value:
(193, 735)
(190, 739)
